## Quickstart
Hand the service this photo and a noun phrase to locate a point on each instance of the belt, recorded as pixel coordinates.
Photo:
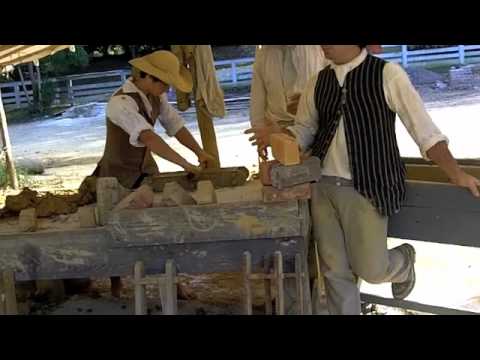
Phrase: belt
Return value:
(334, 180)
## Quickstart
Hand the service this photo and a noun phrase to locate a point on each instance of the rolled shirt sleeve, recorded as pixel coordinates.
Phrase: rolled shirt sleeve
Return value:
(306, 120)
(169, 118)
(123, 111)
(403, 98)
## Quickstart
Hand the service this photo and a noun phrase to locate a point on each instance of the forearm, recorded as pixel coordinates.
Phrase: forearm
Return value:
(186, 139)
(158, 146)
(441, 155)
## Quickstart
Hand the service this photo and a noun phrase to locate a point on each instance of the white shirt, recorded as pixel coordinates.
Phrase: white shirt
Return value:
(122, 110)
(402, 98)
(279, 72)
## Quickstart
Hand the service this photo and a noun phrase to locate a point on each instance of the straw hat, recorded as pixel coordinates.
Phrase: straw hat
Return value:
(165, 66)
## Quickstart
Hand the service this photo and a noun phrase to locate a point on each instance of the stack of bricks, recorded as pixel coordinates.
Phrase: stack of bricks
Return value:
(461, 78)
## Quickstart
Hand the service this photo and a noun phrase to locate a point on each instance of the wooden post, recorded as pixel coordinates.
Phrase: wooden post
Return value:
(140, 301)
(71, 96)
(12, 173)
(107, 197)
(299, 280)
(39, 83)
(268, 286)
(405, 56)
(17, 96)
(23, 84)
(461, 54)
(8, 297)
(205, 122)
(247, 272)
(279, 278)
(170, 289)
(234, 73)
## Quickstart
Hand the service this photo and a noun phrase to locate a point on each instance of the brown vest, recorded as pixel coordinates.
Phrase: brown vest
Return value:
(122, 160)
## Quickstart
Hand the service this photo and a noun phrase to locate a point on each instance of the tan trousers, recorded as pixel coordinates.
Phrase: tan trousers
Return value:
(352, 241)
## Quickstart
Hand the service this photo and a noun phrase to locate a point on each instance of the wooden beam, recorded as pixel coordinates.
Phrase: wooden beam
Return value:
(205, 121)
(10, 165)
(206, 223)
(439, 213)
(411, 305)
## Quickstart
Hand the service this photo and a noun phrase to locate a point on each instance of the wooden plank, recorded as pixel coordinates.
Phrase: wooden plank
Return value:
(170, 288)
(410, 305)
(438, 213)
(93, 253)
(279, 280)
(430, 173)
(140, 301)
(194, 224)
(222, 256)
(268, 286)
(58, 254)
(247, 272)
(10, 297)
(299, 284)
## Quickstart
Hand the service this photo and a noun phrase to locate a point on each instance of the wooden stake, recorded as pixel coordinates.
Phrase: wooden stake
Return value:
(299, 281)
(170, 288)
(140, 301)
(12, 173)
(280, 300)
(247, 272)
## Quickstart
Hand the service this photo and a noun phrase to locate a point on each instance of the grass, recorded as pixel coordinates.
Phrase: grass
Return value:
(24, 177)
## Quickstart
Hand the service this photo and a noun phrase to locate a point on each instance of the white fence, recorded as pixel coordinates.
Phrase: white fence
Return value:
(85, 87)
(458, 53)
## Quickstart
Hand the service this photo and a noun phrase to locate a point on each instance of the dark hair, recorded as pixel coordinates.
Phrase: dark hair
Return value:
(362, 46)
(143, 75)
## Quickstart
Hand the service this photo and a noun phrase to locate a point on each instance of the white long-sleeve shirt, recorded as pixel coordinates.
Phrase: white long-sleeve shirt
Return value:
(402, 98)
(279, 72)
(122, 110)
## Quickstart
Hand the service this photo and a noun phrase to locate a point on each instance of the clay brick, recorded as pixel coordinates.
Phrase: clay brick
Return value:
(285, 149)
(247, 193)
(205, 193)
(299, 192)
(27, 220)
(141, 198)
(86, 217)
(174, 192)
(265, 168)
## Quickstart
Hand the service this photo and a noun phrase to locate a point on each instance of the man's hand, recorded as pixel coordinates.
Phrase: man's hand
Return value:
(261, 135)
(192, 169)
(205, 159)
(263, 154)
(467, 181)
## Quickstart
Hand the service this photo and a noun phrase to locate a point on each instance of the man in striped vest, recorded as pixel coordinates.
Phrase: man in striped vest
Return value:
(346, 117)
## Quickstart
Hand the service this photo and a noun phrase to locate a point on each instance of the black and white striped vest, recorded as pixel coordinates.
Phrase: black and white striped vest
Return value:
(377, 169)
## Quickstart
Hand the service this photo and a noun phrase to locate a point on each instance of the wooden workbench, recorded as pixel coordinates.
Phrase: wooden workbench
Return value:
(200, 239)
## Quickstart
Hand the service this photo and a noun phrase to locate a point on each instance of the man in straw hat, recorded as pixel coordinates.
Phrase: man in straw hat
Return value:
(131, 116)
